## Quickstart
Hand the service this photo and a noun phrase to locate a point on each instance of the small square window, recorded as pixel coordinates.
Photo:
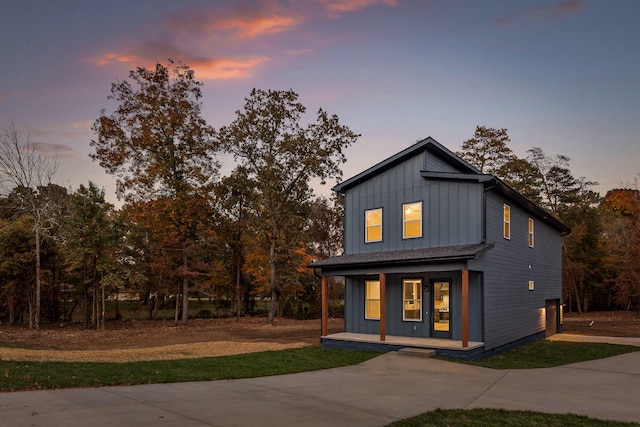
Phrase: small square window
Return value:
(531, 285)
(373, 225)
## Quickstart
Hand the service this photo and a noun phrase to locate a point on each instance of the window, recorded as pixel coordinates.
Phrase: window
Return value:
(506, 212)
(373, 225)
(532, 285)
(530, 232)
(412, 220)
(372, 300)
(412, 300)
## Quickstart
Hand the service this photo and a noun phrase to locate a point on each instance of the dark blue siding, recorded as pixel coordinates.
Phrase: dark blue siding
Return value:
(452, 211)
(511, 310)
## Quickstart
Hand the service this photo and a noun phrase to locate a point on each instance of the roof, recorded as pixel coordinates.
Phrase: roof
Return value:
(405, 257)
(428, 144)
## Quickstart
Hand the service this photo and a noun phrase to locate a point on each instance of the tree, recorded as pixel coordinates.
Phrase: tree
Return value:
(28, 174)
(234, 197)
(92, 237)
(281, 157)
(488, 150)
(622, 221)
(16, 265)
(160, 148)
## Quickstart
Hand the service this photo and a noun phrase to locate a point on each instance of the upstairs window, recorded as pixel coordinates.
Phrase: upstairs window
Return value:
(412, 220)
(372, 300)
(530, 232)
(373, 225)
(506, 230)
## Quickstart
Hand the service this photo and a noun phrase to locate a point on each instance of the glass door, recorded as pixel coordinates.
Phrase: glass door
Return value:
(441, 326)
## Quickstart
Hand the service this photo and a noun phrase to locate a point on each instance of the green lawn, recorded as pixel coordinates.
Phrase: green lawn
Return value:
(503, 418)
(545, 354)
(19, 376)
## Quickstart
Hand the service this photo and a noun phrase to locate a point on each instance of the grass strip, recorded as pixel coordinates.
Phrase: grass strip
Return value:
(546, 354)
(21, 376)
(504, 418)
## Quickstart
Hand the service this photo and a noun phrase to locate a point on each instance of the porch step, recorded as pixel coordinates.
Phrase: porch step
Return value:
(417, 352)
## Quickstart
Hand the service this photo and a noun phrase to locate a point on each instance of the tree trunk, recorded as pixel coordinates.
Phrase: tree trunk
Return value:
(185, 288)
(237, 290)
(38, 279)
(103, 307)
(577, 295)
(12, 309)
(275, 292)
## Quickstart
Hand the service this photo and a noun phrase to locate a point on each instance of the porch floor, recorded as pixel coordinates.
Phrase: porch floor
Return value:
(395, 341)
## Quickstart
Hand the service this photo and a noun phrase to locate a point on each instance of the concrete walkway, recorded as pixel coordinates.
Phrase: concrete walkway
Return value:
(374, 393)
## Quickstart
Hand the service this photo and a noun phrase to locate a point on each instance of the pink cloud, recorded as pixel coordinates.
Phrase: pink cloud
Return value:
(241, 23)
(545, 13)
(338, 7)
(54, 150)
(5, 96)
(225, 68)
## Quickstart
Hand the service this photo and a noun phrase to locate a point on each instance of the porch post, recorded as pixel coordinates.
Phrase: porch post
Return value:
(383, 307)
(465, 308)
(325, 308)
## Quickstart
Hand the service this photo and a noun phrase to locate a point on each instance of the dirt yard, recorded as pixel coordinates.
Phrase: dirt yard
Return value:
(155, 340)
(149, 340)
(603, 323)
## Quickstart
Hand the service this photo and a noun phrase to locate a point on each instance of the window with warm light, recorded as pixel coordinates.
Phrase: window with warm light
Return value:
(506, 213)
(412, 300)
(412, 220)
(530, 232)
(373, 225)
(372, 300)
(532, 285)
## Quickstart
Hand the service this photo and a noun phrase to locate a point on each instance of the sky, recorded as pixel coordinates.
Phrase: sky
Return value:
(562, 75)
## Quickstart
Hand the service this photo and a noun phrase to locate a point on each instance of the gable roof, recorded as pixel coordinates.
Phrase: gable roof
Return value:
(428, 144)
(467, 172)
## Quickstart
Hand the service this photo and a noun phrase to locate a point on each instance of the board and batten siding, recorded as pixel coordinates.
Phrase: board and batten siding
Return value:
(511, 310)
(451, 210)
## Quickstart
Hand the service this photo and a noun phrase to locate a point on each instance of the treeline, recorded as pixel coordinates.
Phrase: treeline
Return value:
(601, 256)
(183, 231)
(186, 232)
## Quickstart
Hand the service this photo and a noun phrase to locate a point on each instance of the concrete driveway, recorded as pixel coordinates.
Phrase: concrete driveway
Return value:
(374, 393)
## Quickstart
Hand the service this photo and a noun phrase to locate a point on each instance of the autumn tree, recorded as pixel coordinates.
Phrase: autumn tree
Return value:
(622, 222)
(28, 175)
(282, 156)
(160, 148)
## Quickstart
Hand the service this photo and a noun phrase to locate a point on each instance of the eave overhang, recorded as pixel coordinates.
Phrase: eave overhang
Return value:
(409, 257)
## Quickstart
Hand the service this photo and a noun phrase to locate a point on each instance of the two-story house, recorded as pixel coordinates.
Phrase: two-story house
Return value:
(439, 255)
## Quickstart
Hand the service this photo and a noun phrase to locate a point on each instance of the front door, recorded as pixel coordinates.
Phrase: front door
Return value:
(441, 314)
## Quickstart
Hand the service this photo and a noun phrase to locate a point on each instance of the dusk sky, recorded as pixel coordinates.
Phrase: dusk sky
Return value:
(562, 75)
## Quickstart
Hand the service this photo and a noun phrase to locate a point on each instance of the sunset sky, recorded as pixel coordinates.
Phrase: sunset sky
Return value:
(562, 75)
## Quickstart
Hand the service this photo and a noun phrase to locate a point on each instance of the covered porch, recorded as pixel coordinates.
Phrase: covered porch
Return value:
(410, 263)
